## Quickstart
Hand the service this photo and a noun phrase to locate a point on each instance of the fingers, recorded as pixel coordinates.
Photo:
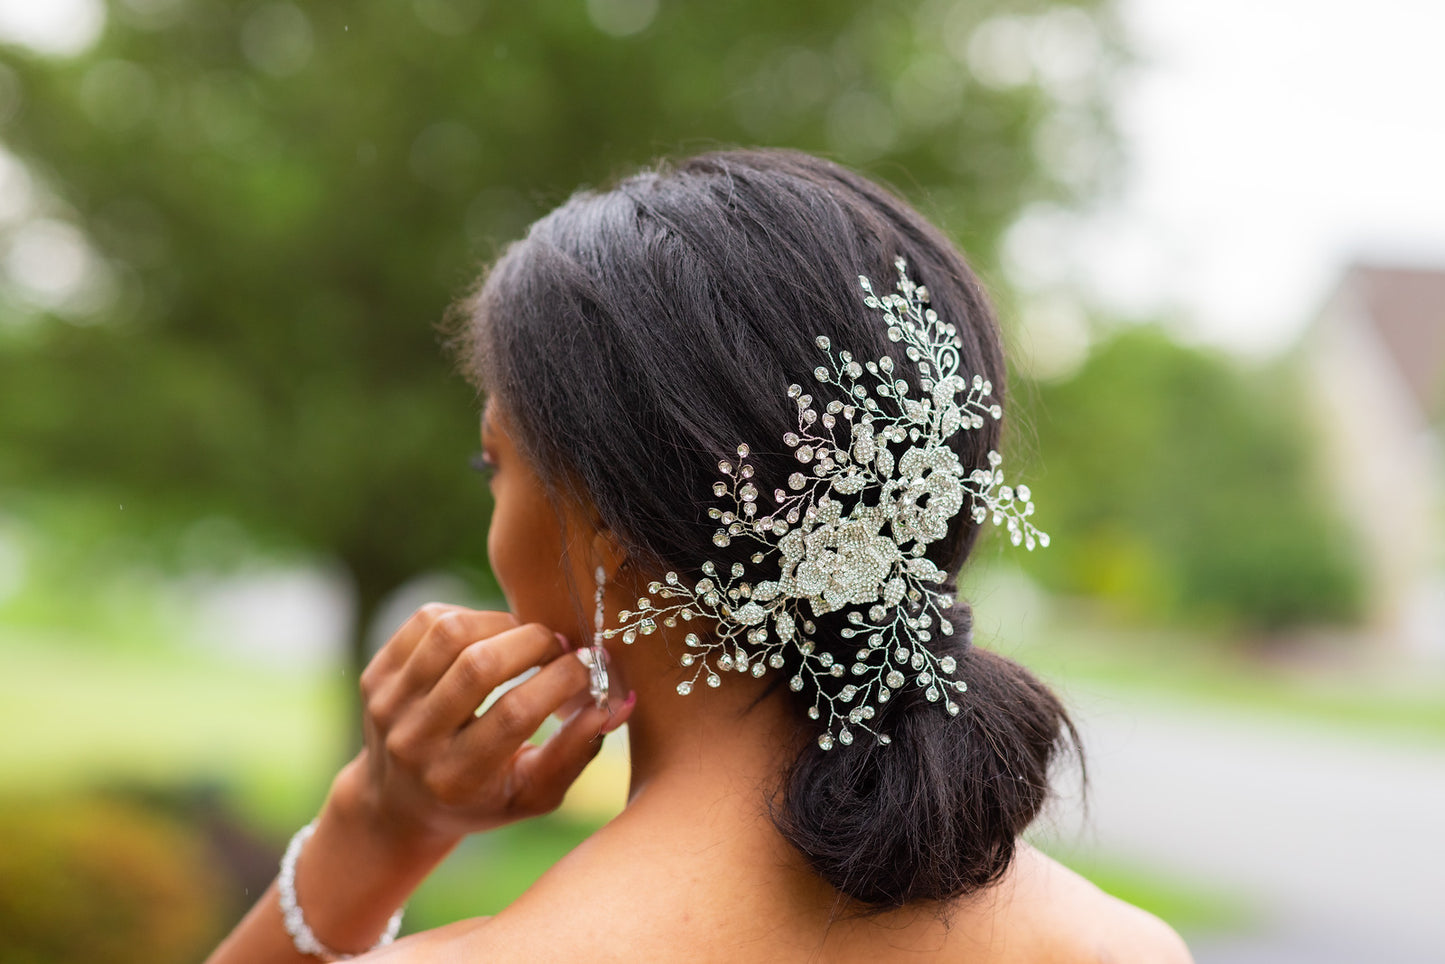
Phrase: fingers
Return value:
(447, 636)
(517, 713)
(542, 774)
(582, 699)
(482, 666)
(398, 650)
(484, 649)
(492, 745)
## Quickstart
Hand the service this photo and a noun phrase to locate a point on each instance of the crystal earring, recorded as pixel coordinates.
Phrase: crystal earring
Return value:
(598, 663)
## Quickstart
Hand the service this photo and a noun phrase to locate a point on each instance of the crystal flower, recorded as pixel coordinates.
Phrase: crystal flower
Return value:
(850, 531)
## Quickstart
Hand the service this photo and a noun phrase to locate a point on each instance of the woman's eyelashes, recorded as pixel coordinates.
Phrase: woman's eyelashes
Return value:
(483, 463)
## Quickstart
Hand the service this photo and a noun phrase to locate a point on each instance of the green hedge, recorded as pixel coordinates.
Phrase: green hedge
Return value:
(92, 879)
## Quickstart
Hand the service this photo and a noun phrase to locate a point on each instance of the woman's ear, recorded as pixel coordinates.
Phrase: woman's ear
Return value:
(608, 552)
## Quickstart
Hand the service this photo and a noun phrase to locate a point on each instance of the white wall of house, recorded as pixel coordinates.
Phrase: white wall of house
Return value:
(1385, 465)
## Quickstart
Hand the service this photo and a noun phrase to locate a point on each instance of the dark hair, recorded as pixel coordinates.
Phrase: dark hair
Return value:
(636, 336)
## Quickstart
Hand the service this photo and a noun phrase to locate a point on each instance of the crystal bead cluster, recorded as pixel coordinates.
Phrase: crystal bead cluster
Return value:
(866, 560)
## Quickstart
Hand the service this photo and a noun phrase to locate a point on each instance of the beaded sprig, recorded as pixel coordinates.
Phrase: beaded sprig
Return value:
(868, 560)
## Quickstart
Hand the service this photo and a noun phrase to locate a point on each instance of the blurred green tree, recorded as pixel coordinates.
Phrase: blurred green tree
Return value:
(281, 201)
(1180, 484)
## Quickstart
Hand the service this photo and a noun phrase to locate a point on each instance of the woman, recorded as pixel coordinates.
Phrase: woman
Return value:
(741, 421)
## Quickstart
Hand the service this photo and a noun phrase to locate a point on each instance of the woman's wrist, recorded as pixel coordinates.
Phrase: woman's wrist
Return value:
(294, 918)
(353, 806)
(358, 867)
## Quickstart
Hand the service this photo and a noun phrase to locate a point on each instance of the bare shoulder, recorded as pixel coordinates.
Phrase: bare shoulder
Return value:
(591, 902)
(424, 947)
(522, 939)
(497, 940)
(1085, 922)
(648, 908)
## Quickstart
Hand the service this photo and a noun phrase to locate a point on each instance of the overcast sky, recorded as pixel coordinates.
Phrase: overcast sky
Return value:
(1268, 142)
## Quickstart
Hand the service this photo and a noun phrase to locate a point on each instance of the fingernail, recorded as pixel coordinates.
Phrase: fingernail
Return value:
(585, 656)
(566, 646)
(623, 712)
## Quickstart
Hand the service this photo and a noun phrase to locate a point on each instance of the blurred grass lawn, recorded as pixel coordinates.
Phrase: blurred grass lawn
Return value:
(1361, 694)
(76, 717)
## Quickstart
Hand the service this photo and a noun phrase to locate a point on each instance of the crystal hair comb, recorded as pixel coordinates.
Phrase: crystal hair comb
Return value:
(868, 560)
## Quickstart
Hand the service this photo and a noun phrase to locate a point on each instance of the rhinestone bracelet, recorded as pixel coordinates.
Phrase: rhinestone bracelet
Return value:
(296, 925)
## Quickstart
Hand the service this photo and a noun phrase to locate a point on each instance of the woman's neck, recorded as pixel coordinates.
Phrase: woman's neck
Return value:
(736, 736)
(705, 769)
(733, 737)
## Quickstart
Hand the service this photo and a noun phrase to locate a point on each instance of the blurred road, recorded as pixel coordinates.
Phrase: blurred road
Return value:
(1340, 839)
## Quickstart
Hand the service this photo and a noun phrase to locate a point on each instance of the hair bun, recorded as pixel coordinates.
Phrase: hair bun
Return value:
(935, 814)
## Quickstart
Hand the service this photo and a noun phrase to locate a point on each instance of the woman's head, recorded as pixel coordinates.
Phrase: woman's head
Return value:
(636, 336)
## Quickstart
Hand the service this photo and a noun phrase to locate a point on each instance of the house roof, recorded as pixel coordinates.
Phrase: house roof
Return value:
(1406, 306)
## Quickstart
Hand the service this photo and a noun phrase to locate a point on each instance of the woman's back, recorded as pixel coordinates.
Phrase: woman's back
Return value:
(711, 890)
(695, 869)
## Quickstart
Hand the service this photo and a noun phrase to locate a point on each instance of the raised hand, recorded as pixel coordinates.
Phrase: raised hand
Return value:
(431, 767)
(433, 770)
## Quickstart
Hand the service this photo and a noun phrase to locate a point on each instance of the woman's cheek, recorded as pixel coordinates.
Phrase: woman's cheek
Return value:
(525, 551)
(504, 545)
(497, 556)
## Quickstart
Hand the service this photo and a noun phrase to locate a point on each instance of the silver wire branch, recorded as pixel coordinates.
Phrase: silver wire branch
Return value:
(815, 558)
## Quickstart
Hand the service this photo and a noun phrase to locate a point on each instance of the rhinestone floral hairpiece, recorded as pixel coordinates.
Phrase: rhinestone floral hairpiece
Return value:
(868, 560)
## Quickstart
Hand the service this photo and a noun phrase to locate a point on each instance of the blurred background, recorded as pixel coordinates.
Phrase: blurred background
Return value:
(233, 454)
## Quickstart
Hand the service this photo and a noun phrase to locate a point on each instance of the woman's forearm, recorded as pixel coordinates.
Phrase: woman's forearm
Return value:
(351, 877)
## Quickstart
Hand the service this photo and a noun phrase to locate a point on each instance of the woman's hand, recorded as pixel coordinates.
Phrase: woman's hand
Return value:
(433, 771)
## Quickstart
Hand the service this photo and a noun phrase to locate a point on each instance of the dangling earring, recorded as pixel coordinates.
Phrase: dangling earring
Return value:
(598, 663)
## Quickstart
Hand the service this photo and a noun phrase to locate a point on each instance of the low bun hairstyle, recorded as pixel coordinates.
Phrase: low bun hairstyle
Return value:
(636, 336)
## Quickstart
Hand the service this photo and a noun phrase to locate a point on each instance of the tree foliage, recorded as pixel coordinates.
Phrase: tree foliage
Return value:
(1181, 485)
(284, 201)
